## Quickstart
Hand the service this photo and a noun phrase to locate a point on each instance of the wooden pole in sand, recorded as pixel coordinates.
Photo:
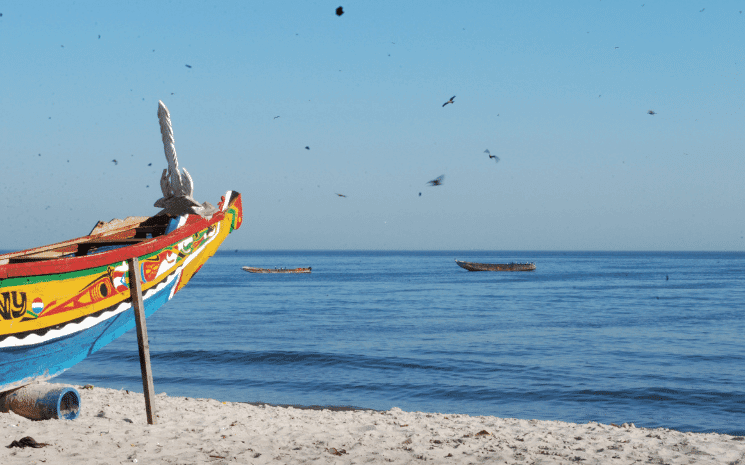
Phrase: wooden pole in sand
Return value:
(135, 289)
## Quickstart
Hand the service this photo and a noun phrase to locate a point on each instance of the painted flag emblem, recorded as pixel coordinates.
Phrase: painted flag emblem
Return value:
(37, 306)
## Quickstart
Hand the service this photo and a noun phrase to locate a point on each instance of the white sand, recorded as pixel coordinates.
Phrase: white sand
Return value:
(112, 429)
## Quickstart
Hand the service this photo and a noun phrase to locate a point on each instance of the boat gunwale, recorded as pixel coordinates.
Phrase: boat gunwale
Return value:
(83, 262)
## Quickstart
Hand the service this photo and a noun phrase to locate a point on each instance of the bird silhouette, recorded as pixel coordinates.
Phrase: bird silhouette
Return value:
(449, 101)
(276, 117)
(437, 181)
(188, 66)
(339, 11)
(341, 195)
(307, 148)
(496, 158)
(651, 112)
(115, 162)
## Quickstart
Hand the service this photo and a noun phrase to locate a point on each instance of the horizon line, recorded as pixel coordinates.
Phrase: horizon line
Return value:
(482, 250)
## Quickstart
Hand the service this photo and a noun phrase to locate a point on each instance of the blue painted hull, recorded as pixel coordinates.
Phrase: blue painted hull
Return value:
(66, 351)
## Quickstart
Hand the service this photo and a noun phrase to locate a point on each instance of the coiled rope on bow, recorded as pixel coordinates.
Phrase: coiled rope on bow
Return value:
(177, 188)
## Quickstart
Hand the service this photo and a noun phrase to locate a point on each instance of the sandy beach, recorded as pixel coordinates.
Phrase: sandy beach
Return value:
(112, 429)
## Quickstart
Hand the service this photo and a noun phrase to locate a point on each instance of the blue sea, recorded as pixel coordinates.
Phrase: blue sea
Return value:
(651, 338)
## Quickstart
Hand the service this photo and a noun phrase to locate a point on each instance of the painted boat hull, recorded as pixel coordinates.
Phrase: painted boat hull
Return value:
(472, 266)
(252, 269)
(51, 321)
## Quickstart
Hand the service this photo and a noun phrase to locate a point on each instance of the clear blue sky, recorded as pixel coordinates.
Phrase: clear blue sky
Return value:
(558, 90)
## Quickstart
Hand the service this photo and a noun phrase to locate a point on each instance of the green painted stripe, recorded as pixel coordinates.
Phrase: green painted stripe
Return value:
(26, 280)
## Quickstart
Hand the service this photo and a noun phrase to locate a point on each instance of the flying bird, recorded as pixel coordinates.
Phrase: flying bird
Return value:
(651, 112)
(339, 11)
(702, 10)
(341, 195)
(307, 148)
(449, 101)
(437, 181)
(276, 117)
(188, 66)
(115, 162)
(496, 158)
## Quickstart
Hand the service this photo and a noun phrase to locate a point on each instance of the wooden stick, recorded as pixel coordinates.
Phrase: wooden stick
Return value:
(135, 289)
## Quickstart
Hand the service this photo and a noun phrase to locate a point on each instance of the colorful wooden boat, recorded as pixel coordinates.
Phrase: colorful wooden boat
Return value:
(471, 266)
(63, 302)
(252, 269)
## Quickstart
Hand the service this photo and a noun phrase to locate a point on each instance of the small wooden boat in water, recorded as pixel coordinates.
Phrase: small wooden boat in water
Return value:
(471, 266)
(252, 269)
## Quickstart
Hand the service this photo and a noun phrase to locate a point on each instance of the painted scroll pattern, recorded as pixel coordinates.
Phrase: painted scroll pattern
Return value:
(24, 305)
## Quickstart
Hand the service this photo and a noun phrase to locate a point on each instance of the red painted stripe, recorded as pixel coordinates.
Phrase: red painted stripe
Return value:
(194, 224)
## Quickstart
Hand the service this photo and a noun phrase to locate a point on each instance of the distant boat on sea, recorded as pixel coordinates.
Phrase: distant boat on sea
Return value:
(471, 266)
(252, 269)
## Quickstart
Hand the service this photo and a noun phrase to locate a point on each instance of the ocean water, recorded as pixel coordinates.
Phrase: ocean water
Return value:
(655, 339)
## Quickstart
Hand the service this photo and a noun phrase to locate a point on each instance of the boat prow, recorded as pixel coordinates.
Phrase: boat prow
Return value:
(62, 302)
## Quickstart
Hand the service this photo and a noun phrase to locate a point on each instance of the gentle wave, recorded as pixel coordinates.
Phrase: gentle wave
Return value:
(649, 338)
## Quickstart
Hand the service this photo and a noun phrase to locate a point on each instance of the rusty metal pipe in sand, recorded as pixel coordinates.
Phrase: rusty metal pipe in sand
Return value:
(42, 402)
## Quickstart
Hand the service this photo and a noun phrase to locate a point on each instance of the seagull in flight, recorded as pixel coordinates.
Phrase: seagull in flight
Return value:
(449, 101)
(651, 112)
(496, 158)
(341, 195)
(437, 181)
(115, 162)
(276, 117)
